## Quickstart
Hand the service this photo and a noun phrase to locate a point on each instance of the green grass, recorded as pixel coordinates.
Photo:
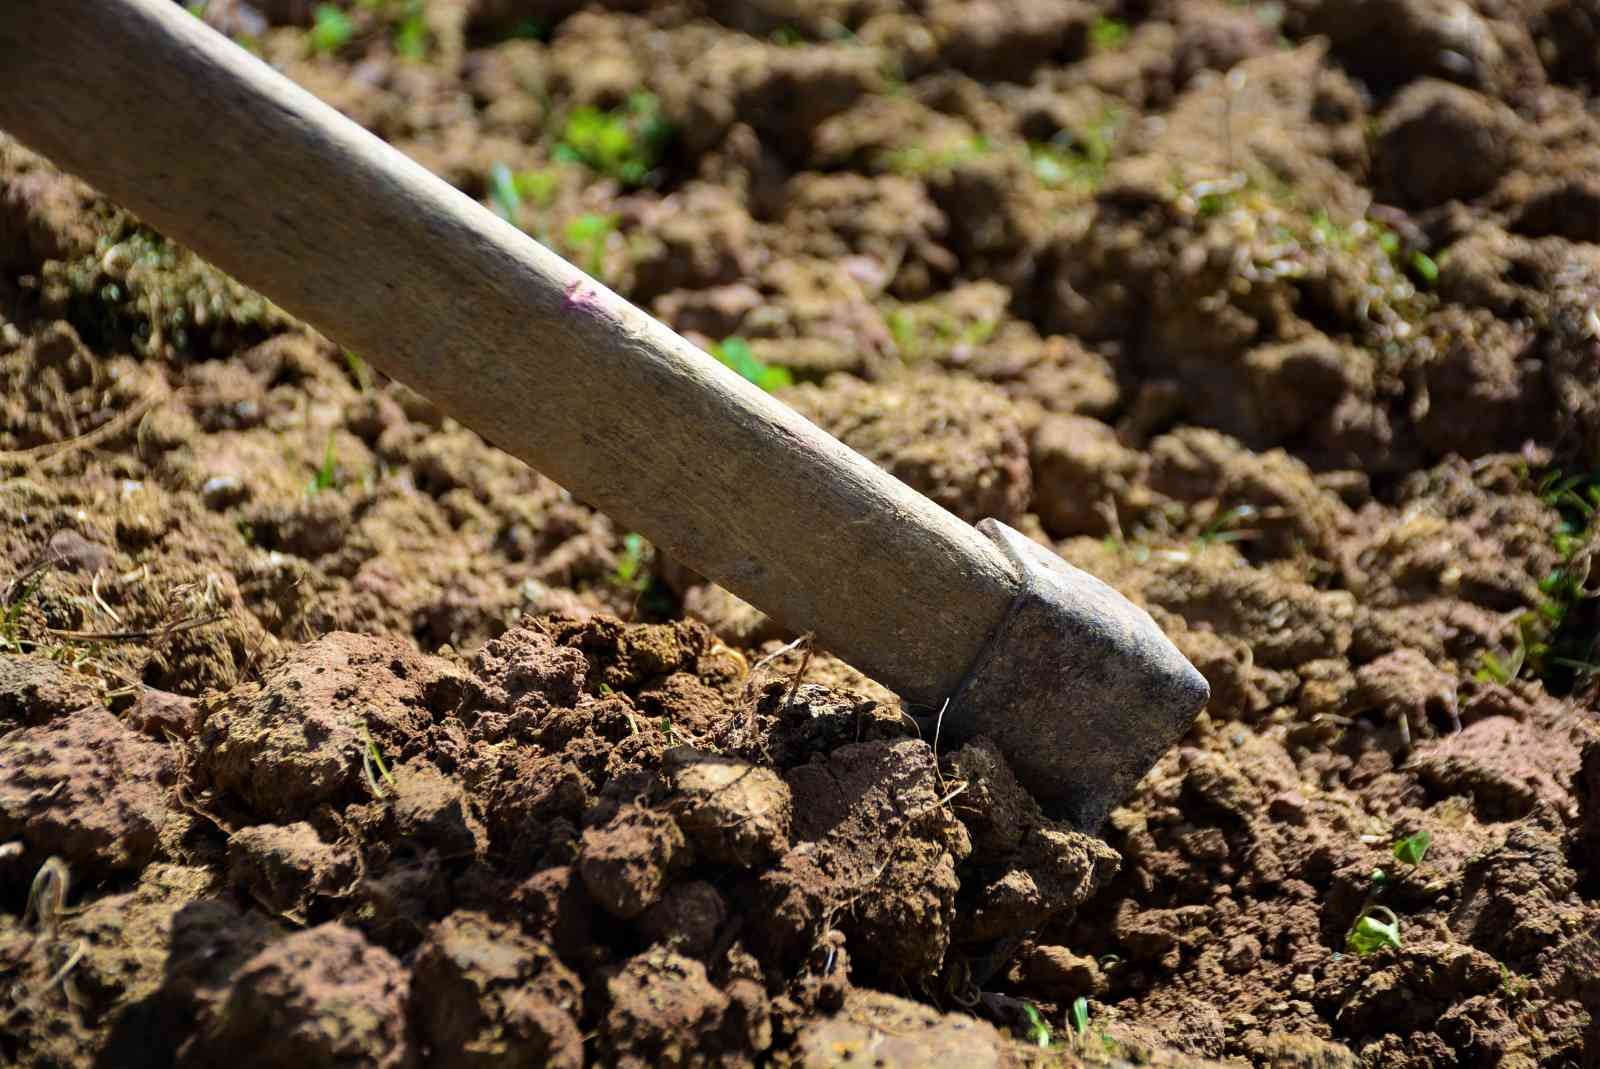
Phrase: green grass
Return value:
(914, 161)
(17, 595)
(1080, 1016)
(586, 238)
(737, 354)
(1557, 640)
(624, 143)
(1108, 34)
(331, 29)
(504, 196)
(326, 476)
(1077, 158)
(1038, 1029)
(372, 767)
(631, 572)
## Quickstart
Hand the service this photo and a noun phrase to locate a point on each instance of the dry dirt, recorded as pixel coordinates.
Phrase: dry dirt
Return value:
(330, 736)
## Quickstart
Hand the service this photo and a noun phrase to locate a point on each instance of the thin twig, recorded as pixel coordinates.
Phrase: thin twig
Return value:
(53, 451)
(137, 636)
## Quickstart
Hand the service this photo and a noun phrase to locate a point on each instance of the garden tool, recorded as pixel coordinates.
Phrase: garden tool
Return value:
(1077, 687)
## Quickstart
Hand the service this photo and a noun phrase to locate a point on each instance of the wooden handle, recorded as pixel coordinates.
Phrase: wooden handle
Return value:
(217, 150)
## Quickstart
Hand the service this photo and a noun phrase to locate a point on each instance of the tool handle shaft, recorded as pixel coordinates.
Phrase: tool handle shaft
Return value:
(217, 150)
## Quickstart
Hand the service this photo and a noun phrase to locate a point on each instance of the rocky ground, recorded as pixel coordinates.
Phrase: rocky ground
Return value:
(329, 735)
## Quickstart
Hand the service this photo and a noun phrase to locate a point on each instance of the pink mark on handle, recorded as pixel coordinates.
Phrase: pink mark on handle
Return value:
(578, 298)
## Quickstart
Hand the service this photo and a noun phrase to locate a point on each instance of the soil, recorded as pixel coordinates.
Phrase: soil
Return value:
(329, 735)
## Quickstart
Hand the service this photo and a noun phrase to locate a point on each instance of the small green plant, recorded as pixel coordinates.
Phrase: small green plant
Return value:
(1226, 527)
(331, 29)
(631, 572)
(359, 371)
(411, 37)
(1108, 34)
(504, 196)
(586, 238)
(1077, 158)
(18, 593)
(1424, 267)
(538, 186)
(1413, 848)
(915, 160)
(327, 476)
(372, 766)
(623, 143)
(1556, 640)
(1371, 933)
(1038, 1028)
(1080, 1016)
(737, 354)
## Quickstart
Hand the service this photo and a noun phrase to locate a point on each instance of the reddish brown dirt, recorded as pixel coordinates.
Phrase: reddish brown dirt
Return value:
(329, 735)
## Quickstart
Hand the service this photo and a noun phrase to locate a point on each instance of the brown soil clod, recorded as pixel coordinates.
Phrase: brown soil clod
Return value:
(331, 735)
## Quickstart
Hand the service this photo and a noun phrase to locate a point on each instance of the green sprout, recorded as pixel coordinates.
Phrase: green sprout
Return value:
(1038, 1028)
(372, 759)
(1077, 158)
(1080, 1016)
(623, 143)
(504, 195)
(587, 236)
(539, 186)
(411, 33)
(915, 160)
(630, 572)
(1108, 34)
(331, 29)
(327, 476)
(1556, 634)
(18, 593)
(359, 371)
(1225, 528)
(1412, 849)
(1423, 266)
(1370, 934)
(737, 354)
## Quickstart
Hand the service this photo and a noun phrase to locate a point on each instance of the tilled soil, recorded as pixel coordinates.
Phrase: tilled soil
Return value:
(329, 735)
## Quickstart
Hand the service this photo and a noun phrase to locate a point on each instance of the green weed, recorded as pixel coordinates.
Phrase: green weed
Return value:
(624, 143)
(18, 594)
(1107, 34)
(737, 354)
(916, 160)
(1226, 527)
(411, 32)
(1370, 934)
(1038, 1028)
(631, 571)
(331, 29)
(1076, 158)
(372, 759)
(359, 371)
(1080, 1016)
(1423, 266)
(504, 196)
(1412, 849)
(586, 238)
(1556, 640)
(327, 476)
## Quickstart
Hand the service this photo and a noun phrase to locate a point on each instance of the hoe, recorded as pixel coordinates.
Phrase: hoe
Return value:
(1077, 686)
